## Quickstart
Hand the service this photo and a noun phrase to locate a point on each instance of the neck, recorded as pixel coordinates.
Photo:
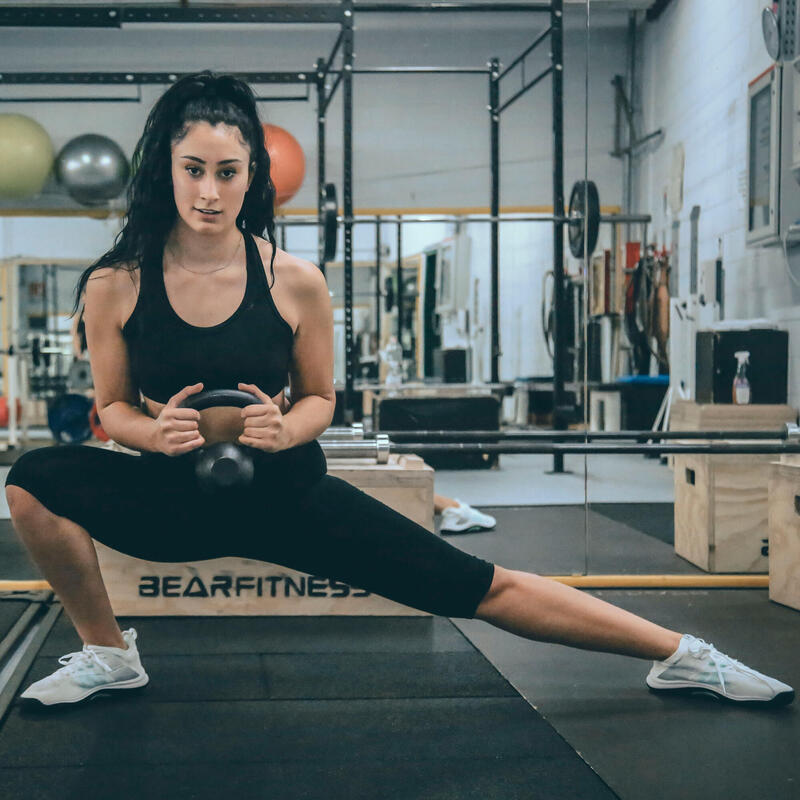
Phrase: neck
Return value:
(202, 251)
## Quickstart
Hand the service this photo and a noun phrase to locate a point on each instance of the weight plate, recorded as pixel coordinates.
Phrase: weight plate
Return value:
(68, 418)
(330, 211)
(584, 218)
(80, 376)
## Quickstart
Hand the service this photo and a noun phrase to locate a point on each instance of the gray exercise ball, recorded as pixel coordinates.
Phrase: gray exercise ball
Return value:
(92, 168)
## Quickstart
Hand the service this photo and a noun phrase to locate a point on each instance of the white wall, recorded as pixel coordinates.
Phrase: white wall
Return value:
(419, 142)
(696, 63)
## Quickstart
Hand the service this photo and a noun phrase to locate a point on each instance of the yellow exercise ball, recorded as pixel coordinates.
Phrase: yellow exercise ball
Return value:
(26, 156)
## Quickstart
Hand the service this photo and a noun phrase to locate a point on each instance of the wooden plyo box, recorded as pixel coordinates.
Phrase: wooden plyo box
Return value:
(721, 511)
(686, 415)
(246, 587)
(784, 534)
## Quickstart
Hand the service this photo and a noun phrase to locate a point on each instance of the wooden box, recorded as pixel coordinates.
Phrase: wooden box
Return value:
(245, 587)
(721, 511)
(784, 534)
(686, 415)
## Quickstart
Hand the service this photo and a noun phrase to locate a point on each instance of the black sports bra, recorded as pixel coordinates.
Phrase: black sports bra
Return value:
(166, 353)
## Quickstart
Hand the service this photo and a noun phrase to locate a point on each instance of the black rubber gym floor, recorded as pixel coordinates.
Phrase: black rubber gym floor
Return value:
(321, 707)
(646, 746)
(407, 708)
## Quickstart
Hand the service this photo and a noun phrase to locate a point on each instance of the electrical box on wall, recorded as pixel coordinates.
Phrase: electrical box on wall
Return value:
(452, 273)
(795, 126)
(773, 199)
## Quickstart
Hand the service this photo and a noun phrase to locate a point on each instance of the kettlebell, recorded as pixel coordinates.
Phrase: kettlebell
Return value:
(223, 465)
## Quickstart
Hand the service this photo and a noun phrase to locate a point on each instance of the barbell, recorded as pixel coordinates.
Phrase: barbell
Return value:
(580, 436)
(377, 448)
(39, 351)
(380, 450)
(783, 441)
(354, 432)
(583, 219)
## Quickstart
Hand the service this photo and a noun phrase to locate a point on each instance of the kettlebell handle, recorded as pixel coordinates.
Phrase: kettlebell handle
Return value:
(223, 464)
(220, 397)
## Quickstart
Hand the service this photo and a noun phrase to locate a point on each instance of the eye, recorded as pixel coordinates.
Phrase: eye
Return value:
(224, 172)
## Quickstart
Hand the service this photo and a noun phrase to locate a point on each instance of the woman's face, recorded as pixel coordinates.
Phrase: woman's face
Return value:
(211, 171)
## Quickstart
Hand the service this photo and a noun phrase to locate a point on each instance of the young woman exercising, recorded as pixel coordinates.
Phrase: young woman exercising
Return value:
(191, 298)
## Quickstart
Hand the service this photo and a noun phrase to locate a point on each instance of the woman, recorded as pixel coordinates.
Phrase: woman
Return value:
(191, 298)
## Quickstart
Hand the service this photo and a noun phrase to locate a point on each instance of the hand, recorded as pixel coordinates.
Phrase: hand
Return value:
(264, 427)
(178, 429)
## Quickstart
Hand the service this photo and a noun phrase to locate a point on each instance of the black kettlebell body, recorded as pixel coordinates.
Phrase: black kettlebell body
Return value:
(223, 465)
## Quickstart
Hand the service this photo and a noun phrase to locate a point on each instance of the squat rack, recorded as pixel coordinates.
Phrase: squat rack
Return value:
(343, 13)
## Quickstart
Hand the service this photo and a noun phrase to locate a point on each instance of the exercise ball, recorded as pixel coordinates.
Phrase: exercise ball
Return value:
(92, 168)
(26, 156)
(287, 162)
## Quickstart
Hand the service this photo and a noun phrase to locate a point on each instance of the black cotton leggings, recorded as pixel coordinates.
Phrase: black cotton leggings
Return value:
(150, 507)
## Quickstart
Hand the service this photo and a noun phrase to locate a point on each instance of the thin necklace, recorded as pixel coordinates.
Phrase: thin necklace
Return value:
(218, 269)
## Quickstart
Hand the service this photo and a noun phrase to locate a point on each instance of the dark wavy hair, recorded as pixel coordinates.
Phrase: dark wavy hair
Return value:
(202, 97)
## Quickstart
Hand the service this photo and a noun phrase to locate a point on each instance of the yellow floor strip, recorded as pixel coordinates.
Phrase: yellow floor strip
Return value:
(578, 581)
(664, 581)
(24, 586)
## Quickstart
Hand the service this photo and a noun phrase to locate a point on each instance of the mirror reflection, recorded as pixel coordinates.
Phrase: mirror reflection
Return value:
(689, 310)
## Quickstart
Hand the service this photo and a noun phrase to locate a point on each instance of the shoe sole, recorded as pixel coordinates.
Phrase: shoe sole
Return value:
(781, 699)
(470, 529)
(134, 683)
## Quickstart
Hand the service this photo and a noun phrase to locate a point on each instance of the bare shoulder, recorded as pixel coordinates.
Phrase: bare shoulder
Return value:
(290, 268)
(111, 292)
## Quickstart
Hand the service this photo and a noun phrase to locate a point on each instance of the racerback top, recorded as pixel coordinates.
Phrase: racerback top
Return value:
(254, 345)
(166, 353)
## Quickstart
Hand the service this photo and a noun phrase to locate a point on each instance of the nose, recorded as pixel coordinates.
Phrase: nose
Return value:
(208, 189)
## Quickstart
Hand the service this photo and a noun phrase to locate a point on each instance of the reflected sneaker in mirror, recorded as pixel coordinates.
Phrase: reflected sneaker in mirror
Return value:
(465, 519)
(697, 666)
(92, 669)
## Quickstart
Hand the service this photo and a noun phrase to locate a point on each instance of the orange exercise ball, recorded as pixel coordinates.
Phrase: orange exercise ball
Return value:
(287, 162)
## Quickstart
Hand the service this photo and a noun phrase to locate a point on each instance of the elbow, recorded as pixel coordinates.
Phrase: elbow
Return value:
(105, 413)
(331, 409)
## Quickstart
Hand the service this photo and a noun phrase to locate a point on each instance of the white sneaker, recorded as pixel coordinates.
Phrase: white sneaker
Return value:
(697, 666)
(465, 519)
(91, 670)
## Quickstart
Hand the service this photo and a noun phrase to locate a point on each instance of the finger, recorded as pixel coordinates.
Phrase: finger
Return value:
(253, 389)
(180, 437)
(181, 426)
(253, 412)
(257, 433)
(192, 445)
(177, 399)
(249, 440)
(185, 414)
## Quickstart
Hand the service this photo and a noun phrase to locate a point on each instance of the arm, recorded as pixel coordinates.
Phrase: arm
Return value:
(311, 371)
(77, 333)
(108, 293)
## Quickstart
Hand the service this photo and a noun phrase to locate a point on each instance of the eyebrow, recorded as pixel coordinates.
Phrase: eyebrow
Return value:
(226, 161)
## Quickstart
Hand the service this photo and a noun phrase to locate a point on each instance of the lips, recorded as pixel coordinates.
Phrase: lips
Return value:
(207, 212)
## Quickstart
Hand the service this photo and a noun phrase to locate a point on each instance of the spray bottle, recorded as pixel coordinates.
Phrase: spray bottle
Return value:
(741, 386)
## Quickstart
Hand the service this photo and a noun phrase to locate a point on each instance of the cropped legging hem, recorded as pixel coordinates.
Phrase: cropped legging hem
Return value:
(151, 507)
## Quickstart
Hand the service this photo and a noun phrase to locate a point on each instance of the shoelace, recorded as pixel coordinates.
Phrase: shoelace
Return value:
(82, 659)
(721, 659)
